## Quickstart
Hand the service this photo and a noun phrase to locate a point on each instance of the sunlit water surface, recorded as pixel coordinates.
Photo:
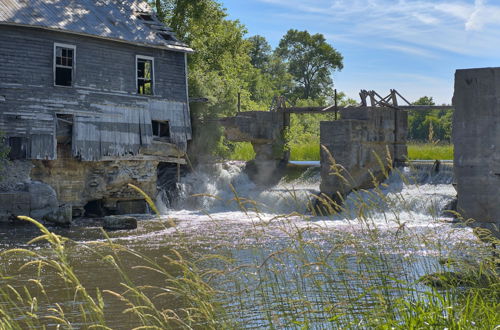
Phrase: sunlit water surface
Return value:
(220, 211)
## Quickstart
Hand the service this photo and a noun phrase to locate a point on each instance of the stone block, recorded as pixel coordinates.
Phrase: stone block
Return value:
(115, 222)
(131, 207)
(62, 217)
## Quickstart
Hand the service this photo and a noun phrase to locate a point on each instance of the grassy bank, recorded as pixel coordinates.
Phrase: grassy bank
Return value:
(310, 151)
(430, 151)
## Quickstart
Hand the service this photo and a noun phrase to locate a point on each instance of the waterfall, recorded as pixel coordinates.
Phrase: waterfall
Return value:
(420, 189)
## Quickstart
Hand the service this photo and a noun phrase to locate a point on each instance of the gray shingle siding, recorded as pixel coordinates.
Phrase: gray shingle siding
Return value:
(104, 92)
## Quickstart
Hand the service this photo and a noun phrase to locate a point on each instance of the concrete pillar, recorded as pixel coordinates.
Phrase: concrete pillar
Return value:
(359, 143)
(476, 136)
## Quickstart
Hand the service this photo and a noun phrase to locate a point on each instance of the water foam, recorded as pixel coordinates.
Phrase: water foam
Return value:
(411, 195)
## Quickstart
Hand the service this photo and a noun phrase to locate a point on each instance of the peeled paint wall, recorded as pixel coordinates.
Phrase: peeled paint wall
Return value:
(110, 119)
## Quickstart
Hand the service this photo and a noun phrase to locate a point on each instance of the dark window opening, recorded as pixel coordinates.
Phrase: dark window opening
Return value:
(146, 17)
(167, 37)
(17, 148)
(64, 59)
(64, 128)
(94, 209)
(161, 129)
(144, 76)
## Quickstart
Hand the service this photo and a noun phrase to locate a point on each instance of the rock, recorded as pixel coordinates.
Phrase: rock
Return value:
(62, 217)
(115, 222)
(43, 200)
(450, 208)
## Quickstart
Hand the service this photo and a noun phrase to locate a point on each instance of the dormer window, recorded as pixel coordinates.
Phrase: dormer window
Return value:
(145, 75)
(64, 64)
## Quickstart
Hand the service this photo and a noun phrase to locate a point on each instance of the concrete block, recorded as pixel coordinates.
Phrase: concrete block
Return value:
(476, 136)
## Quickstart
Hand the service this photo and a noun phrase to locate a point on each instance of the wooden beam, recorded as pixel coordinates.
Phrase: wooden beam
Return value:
(300, 110)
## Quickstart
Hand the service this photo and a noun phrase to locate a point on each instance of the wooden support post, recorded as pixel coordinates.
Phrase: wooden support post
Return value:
(239, 101)
(395, 104)
(362, 95)
(335, 100)
(373, 102)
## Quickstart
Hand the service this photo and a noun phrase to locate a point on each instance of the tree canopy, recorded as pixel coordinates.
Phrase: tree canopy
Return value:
(429, 125)
(311, 61)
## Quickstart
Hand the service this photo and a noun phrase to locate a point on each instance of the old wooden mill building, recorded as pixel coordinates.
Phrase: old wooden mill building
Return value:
(93, 96)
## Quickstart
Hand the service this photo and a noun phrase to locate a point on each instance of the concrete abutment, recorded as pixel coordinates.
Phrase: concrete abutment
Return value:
(476, 136)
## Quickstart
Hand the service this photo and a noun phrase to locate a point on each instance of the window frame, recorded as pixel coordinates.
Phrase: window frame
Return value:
(159, 123)
(73, 68)
(153, 82)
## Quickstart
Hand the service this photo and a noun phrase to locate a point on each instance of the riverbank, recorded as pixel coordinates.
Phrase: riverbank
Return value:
(310, 151)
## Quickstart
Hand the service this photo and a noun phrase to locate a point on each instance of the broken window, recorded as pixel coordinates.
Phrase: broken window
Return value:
(64, 64)
(146, 17)
(145, 75)
(167, 36)
(161, 129)
(64, 128)
(17, 148)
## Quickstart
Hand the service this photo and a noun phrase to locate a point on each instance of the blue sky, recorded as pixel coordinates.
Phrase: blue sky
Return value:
(412, 46)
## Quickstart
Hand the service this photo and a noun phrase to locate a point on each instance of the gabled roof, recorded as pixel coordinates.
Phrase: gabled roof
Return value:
(130, 21)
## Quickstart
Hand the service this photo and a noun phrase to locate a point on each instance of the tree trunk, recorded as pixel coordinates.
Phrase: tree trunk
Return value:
(159, 10)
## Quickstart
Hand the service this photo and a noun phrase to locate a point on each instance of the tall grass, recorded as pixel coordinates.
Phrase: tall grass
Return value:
(296, 274)
(305, 151)
(430, 151)
(298, 151)
(243, 151)
(309, 150)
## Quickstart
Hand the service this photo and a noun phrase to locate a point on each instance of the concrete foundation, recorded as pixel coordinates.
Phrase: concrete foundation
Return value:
(360, 147)
(476, 136)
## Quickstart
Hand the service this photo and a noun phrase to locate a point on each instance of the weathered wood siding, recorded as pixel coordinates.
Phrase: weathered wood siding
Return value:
(110, 118)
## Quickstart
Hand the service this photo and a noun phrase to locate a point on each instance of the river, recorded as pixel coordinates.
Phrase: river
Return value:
(218, 210)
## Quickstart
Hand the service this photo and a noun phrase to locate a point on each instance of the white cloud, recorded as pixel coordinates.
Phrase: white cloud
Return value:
(411, 50)
(456, 26)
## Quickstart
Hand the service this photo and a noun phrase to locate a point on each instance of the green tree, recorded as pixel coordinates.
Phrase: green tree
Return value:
(311, 61)
(260, 52)
(429, 125)
(271, 77)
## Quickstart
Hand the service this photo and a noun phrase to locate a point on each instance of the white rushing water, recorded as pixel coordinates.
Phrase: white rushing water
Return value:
(412, 196)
